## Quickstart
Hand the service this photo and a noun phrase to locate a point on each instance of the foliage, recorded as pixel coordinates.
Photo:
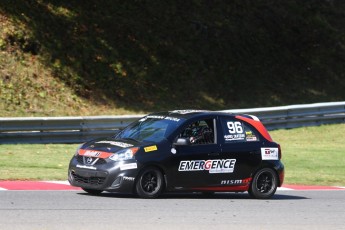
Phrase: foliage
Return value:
(63, 57)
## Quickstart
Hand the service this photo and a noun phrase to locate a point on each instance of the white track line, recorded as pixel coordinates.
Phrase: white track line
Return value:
(58, 182)
(284, 189)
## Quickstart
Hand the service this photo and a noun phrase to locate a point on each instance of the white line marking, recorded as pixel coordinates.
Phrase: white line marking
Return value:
(58, 182)
(284, 189)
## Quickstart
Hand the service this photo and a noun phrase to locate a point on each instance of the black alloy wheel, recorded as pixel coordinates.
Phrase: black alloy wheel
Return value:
(264, 184)
(150, 183)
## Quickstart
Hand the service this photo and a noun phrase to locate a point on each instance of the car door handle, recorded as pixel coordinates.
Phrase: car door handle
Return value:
(213, 154)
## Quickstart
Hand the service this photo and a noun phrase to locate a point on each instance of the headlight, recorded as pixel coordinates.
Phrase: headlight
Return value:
(125, 154)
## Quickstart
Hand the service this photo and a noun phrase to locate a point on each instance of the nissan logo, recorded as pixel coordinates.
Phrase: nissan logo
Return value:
(89, 160)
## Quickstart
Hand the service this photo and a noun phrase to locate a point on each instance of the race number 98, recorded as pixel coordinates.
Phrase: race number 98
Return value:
(234, 127)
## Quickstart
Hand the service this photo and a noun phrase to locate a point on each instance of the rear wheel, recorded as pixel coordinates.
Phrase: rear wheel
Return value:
(149, 183)
(93, 191)
(264, 184)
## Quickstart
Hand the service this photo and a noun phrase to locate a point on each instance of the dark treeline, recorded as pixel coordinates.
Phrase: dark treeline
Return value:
(158, 55)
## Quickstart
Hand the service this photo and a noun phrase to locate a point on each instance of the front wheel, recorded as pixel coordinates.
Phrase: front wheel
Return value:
(150, 183)
(264, 184)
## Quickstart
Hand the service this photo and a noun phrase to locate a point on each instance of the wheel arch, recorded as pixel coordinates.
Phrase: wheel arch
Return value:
(276, 166)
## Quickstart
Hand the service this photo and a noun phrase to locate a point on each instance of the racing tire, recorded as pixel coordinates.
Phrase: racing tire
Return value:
(264, 184)
(150, 183)
(92, 191)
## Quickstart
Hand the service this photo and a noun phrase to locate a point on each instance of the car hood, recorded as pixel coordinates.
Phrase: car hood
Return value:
(112, 145)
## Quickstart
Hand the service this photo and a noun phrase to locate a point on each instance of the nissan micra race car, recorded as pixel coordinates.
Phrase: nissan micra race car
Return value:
(182, 150)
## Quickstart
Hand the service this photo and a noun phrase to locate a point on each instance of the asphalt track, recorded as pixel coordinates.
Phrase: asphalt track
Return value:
(55, 205)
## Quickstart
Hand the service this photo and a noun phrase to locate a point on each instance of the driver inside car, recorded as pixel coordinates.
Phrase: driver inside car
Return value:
(198, 133)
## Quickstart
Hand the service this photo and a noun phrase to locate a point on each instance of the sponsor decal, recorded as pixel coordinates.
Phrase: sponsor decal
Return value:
(234, 137)
(93, 153)
(116, 143)
(127, 178)
(235, 182)
(128, 166)
(160, 117)
(172, 119)
(213, 166)
(269, 153)
(86, 167)
(150, 148)
(155, 117)
(250, 136)
(187, 111)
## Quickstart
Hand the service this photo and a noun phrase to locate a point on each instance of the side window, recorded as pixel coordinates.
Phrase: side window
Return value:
(200, 132)
(237, 131)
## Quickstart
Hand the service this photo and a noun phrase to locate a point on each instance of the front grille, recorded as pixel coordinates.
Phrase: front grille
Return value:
(100, 161)
(80, 159)
(88, 180)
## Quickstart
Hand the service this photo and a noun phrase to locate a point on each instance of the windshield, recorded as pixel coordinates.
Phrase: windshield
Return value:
(150, 129)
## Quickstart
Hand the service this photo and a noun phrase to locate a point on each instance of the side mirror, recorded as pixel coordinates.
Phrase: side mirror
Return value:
(182, 141)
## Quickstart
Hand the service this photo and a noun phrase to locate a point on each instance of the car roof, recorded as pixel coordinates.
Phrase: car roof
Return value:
(191, 113)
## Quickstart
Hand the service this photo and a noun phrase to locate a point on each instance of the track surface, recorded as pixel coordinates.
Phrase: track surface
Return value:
(74, 209)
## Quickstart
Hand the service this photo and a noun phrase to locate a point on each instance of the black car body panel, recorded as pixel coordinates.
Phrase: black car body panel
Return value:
(194, 150)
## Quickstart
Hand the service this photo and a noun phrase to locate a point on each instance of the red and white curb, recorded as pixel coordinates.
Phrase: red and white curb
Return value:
(65, 186)
(36, 185)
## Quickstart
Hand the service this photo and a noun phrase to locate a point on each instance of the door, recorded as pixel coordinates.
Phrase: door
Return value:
(192, 162)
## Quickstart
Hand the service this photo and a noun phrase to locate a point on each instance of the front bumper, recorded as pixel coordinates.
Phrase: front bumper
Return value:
(110, 176)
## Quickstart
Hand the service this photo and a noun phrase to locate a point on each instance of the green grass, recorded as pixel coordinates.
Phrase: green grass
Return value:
(312, 156)
(35, 162)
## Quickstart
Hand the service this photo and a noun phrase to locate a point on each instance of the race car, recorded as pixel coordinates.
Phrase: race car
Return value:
(182, 150)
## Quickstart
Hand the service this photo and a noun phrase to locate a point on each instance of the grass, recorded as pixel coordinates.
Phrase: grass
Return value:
(35, 162)
(311, 155)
